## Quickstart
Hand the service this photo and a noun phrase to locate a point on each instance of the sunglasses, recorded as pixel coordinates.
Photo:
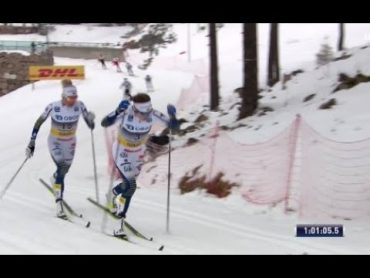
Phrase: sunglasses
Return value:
(71, 99)
(142, 113)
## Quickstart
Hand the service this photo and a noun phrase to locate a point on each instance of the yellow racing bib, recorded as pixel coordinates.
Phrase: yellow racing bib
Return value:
(62, 133)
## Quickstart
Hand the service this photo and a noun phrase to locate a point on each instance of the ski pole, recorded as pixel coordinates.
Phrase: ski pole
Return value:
(12, 179)
(169, 184)
(95, 172)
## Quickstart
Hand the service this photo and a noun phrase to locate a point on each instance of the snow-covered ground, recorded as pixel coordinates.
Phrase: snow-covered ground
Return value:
(199, 223)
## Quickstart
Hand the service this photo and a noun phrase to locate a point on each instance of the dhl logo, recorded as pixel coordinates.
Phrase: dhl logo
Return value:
(56, 72)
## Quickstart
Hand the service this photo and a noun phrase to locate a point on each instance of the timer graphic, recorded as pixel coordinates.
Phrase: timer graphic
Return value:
(320, 230)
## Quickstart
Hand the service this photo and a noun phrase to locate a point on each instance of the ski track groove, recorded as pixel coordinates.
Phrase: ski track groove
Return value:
(237, 229)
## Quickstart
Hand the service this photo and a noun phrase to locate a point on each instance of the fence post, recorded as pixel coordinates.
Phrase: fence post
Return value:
(292, 155)
(214, 135)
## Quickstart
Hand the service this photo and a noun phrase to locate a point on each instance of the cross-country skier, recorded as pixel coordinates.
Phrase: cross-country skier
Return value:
(129, 69)
(33, 48)
(115, 62)
(126, 86)
(62, 141)
(101, 60)
(136, 121)
(149, 83)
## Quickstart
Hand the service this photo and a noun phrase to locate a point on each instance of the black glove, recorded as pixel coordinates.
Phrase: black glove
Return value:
(30, 148)
(173, 123)
(90, 120)
(171, 110)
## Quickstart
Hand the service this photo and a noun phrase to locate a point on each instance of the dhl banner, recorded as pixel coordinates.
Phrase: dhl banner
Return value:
(56, 72)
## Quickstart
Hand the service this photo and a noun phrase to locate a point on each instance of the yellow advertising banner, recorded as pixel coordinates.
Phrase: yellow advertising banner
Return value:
(56, 72)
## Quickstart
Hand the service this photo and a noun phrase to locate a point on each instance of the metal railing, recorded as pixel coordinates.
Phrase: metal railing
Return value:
(23, 45)
(42, 45)
(86, 44)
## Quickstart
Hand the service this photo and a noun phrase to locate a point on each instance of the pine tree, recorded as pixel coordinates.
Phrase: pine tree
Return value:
(250, 87)
(273, 66)
(214, 96)
(325, 54)
(341, 37)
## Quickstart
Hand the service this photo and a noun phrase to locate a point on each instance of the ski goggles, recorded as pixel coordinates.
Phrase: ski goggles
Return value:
(143, 108)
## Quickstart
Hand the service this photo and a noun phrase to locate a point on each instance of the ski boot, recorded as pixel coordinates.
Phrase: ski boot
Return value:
(120, 232)
(60, 210)
(57, 188)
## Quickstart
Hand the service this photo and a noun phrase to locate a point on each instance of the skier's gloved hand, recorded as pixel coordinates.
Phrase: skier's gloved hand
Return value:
(173, 123)
(90, 120)
(30, 148)
(171, 110)
(122, 106)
